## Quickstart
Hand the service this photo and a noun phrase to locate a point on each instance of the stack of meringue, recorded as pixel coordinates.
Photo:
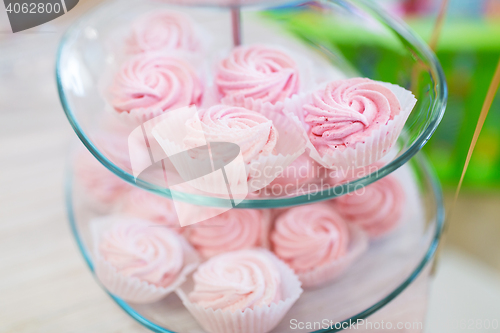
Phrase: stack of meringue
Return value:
(243, 269)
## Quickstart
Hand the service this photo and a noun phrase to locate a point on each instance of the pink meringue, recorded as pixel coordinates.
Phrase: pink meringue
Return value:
(347, 112)
(236, 281)
(254, 133)
(136, 249)
(154, 83)
(376, 208)
(232, 230)
(246, 291)
(311, 236)
(257, 72)
(164, 31)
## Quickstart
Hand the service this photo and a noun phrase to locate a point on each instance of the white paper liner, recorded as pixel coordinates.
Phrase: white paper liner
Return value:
(266, 224)
(132, 289)
(260, 319)
(321, 275)
(242, 178)
(374, 147)
(138, 116)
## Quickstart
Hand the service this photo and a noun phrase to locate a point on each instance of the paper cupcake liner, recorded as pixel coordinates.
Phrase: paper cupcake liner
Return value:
(262, 171)
(132, 289)
(242, 178)
(261, 319)
(204, 37)
(374, 147)
(170, 135)
(329, 272)
(138, 116)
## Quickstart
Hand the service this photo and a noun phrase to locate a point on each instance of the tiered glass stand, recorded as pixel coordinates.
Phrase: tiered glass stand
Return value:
(389, 281)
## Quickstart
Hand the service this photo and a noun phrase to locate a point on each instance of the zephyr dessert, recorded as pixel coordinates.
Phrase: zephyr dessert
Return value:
(258, 77)
(249, 265)
(353, 122)
(236, 229)
(245, 291)
(149, 84)
(267, 142)
(317, 243)
(137, 262)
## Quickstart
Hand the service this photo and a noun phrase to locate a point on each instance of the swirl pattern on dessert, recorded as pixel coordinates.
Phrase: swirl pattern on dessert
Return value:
(310, 236)
(376, 208)
(252, 132)
(347, 111)
(258, 72)
(237, 280)
(155, 81)
(232, 230)
(137, 250)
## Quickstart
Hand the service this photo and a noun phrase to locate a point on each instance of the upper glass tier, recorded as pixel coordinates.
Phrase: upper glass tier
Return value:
(332, 39)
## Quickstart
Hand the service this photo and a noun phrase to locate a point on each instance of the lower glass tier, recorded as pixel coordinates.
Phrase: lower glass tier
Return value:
(387, 285)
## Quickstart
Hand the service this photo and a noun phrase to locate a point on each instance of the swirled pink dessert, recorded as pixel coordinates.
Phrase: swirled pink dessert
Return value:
(253, 132)
(135, 249)
(236, 281)
(376, 208)
(347, 112)
(236, 229)
(258, 72)
(151, 207)
(308, 237)
(155, 82)
(163, 31)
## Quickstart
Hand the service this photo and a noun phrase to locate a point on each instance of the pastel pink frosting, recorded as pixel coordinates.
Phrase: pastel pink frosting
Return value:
(98, 182)
(258, 72)
(151, 207)
(347, 112)
(163, 31)
(136, 249)
(236, 281)
(232, 230)
(155, 81)
(252, 132)
(311, 236)
(376, 208)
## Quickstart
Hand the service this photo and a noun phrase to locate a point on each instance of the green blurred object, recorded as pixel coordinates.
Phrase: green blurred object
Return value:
(468, 50)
